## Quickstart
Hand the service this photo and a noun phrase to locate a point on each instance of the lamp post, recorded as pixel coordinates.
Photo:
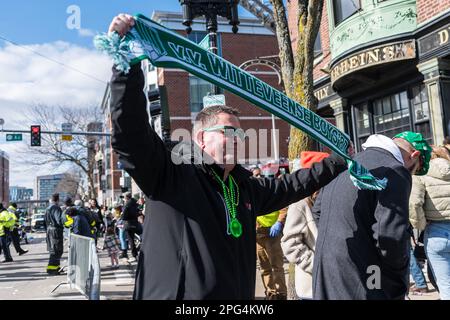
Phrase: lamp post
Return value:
(210, 9)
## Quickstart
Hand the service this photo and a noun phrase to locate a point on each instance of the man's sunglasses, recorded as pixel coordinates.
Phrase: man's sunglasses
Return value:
(228, 131)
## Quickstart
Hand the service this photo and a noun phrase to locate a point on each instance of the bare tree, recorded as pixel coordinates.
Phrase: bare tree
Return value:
(297, 60)
(297, 65)
(54, 152)
(72, 183)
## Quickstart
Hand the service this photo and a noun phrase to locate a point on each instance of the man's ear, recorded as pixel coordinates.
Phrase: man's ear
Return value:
(199, 139)
(415, 154)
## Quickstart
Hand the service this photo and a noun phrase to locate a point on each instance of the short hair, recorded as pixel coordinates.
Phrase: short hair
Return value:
(68, 201)
(13, 204)
(55, 197)
(208, 116)
(128, 195)
(71, 212)
(440, 152)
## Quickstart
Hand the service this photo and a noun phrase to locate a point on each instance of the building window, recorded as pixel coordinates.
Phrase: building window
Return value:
(404, 111)
(344, 9)
(391, 114)
(198, 88)
(317, 45)
(421, 111)
(197, 36)
(108, 182)
(362, 122)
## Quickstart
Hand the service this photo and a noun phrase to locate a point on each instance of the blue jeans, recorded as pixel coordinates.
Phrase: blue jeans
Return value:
(416, 272)
(437, 247)
(123, 239)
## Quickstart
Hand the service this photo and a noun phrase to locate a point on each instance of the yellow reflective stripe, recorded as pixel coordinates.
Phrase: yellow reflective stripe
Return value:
(69, 221)
(52, 267)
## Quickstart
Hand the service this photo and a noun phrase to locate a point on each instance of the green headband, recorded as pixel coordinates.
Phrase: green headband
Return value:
(420, 144)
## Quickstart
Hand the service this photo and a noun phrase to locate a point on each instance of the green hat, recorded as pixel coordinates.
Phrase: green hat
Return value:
(419, 143)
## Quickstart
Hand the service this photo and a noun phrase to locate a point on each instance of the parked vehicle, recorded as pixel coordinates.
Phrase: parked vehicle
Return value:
(38, 222)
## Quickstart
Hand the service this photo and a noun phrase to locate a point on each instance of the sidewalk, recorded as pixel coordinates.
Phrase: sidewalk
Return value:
(259, 291)
(26, 278)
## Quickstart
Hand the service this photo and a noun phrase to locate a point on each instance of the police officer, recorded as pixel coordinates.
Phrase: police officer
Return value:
(54, 224)
(6, 222)
(14, 231)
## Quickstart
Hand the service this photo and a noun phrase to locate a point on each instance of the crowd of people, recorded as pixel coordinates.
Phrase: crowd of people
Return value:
(123, 221)
(86, 219)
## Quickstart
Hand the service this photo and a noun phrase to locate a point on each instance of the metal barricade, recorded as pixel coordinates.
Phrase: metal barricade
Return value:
(83, 271)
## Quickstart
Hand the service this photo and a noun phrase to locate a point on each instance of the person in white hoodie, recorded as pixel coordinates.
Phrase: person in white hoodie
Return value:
(430, 211)
(300, 233)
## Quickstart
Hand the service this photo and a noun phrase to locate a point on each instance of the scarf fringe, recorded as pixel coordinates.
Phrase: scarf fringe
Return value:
(363, 179)
(116, 48)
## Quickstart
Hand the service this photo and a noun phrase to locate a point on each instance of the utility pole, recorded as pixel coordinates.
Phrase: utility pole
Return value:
(79, 133)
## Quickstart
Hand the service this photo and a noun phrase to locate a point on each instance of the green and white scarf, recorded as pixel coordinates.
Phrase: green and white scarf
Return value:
(167, 49)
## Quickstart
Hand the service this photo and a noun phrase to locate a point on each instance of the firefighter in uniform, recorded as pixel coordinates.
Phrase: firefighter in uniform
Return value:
(55, 234)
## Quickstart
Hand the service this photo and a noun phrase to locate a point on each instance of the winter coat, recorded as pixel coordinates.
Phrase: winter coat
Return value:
(362, 247)
(81, 226)
(54, 217)
(430, 195)
(298, 242)
(187, 252)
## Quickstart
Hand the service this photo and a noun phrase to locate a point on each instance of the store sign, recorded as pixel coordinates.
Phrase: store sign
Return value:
(434, 41)
(324, 92)
(396, 51)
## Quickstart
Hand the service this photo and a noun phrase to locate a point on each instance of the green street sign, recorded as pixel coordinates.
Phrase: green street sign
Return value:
(14, 137)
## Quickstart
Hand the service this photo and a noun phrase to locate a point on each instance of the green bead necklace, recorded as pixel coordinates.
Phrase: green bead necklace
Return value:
(234, 227)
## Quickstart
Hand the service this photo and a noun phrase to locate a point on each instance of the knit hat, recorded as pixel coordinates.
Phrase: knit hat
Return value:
(307, 158)
(419, 143)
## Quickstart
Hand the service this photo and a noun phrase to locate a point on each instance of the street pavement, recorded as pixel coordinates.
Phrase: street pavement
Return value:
(26, 279)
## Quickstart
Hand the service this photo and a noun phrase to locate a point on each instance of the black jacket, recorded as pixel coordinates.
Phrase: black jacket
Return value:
(187, 253)
(130, 210)
(363, 235)
(81, 226)
(54, 217)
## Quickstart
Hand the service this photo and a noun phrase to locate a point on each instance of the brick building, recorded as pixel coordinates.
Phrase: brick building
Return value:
(384, 66)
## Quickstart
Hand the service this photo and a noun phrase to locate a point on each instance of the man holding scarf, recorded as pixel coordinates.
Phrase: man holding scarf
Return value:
(200, 241)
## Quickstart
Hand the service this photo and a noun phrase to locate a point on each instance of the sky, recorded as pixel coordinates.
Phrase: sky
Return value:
(31, 29)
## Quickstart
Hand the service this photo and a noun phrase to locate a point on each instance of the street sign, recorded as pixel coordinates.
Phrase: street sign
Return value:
(67, 129)
(14, 137)
(213, 100)
(66, 137)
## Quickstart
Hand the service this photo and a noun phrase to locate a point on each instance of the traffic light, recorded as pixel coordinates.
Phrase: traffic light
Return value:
(35, 136)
